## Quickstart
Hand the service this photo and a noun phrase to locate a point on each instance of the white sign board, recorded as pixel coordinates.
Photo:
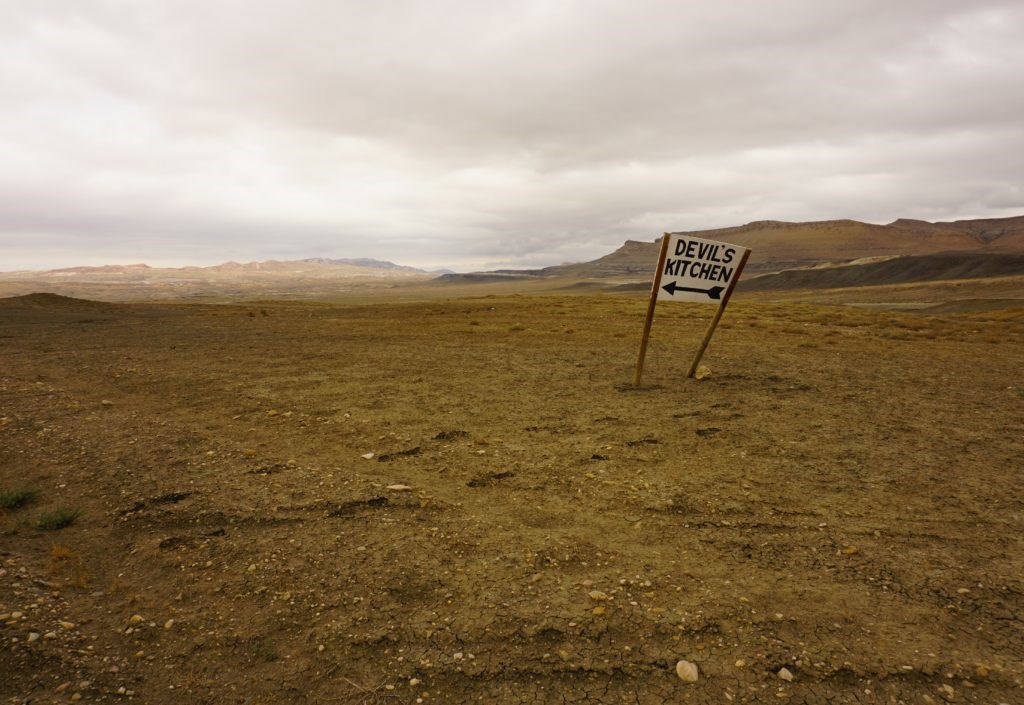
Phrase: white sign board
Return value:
(698, 271)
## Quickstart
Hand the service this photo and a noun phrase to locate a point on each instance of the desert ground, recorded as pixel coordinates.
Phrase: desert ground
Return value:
(834, 515)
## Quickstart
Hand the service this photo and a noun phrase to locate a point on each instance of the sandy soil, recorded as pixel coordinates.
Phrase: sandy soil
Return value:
(841, 499)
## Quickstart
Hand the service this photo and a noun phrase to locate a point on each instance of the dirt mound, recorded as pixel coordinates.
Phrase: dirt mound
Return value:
(897, 270)
(46, 300)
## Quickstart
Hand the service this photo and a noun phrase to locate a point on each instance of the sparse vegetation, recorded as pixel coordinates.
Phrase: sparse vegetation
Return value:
(263, 649)
(15, 499)
(58, 519)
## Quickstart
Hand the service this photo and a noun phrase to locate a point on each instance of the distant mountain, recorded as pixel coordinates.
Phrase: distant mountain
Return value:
(779, 245)
(309, 265)
(363, 262)
(308, 278)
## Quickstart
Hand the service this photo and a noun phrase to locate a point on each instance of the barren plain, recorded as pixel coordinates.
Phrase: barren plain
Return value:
(835, 515)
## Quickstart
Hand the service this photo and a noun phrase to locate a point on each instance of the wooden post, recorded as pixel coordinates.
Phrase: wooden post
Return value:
(718, 314)
(650, 311)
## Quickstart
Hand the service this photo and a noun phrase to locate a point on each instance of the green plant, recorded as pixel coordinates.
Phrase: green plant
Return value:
(17, 498)
(58, 519)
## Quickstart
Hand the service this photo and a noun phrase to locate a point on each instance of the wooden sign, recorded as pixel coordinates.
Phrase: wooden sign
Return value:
(693, 270)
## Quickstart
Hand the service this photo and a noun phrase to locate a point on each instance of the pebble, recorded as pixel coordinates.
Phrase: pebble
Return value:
(67, 625)
(168, 624)
(399, 488)
(740, 663)
(32, 636)
(597, 595)
(413, 682)
(366, 456)
(136, 619)
(50, 635)
(687, 671)
(785, 674)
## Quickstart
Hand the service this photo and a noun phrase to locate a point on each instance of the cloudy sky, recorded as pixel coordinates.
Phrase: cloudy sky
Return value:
(485, 133)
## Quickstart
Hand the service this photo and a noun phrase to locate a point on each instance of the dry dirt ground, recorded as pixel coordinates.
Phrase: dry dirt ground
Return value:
(842, 498)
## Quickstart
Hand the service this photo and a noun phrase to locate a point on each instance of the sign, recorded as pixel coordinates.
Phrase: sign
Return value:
(693, 270)
(698, 271)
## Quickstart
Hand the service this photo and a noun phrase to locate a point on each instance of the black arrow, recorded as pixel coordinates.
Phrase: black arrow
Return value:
(714, 292)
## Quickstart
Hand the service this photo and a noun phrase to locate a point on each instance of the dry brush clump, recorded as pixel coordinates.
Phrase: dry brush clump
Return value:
(58, 519)
(17, 498)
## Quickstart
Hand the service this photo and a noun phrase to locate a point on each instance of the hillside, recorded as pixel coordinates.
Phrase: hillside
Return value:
(895, 270)
(778, 245)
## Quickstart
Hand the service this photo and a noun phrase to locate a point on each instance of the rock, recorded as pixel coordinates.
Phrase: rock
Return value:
(947, 692)
(366, 456)
(67, 625)
(599, 611)
(703, 372)
(399, 488)
(106, 402)
(687, 671)
(413, 682)
(785, 674)
(740, 663)
(50, 635)
(168, 624)
(136, 619)
(32, 636)
(598, 595)
(251, 568)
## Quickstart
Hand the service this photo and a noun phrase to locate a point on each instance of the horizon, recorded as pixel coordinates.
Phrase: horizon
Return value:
(441, 268)
(491, 136)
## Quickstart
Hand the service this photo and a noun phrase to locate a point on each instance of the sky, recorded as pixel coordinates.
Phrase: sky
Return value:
(480, 134)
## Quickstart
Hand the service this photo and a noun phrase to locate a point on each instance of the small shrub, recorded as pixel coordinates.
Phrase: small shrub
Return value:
(17, 498)
(58, 519)
(264, 650)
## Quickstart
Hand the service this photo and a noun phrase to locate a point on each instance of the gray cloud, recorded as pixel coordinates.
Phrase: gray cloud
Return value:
(489, 134)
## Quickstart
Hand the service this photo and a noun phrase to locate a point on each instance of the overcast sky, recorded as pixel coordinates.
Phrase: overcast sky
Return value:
(480, 133)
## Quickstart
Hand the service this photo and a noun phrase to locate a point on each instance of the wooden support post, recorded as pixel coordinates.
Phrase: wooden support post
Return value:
(650, 312)
(718, 314)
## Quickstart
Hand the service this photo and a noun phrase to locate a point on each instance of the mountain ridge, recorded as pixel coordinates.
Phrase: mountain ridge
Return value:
(778, 245)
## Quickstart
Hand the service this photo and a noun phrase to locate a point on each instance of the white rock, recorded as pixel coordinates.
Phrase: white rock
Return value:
(399, 488)
(366, 456)
(32, 636)
(785, 674)
(687, 672)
